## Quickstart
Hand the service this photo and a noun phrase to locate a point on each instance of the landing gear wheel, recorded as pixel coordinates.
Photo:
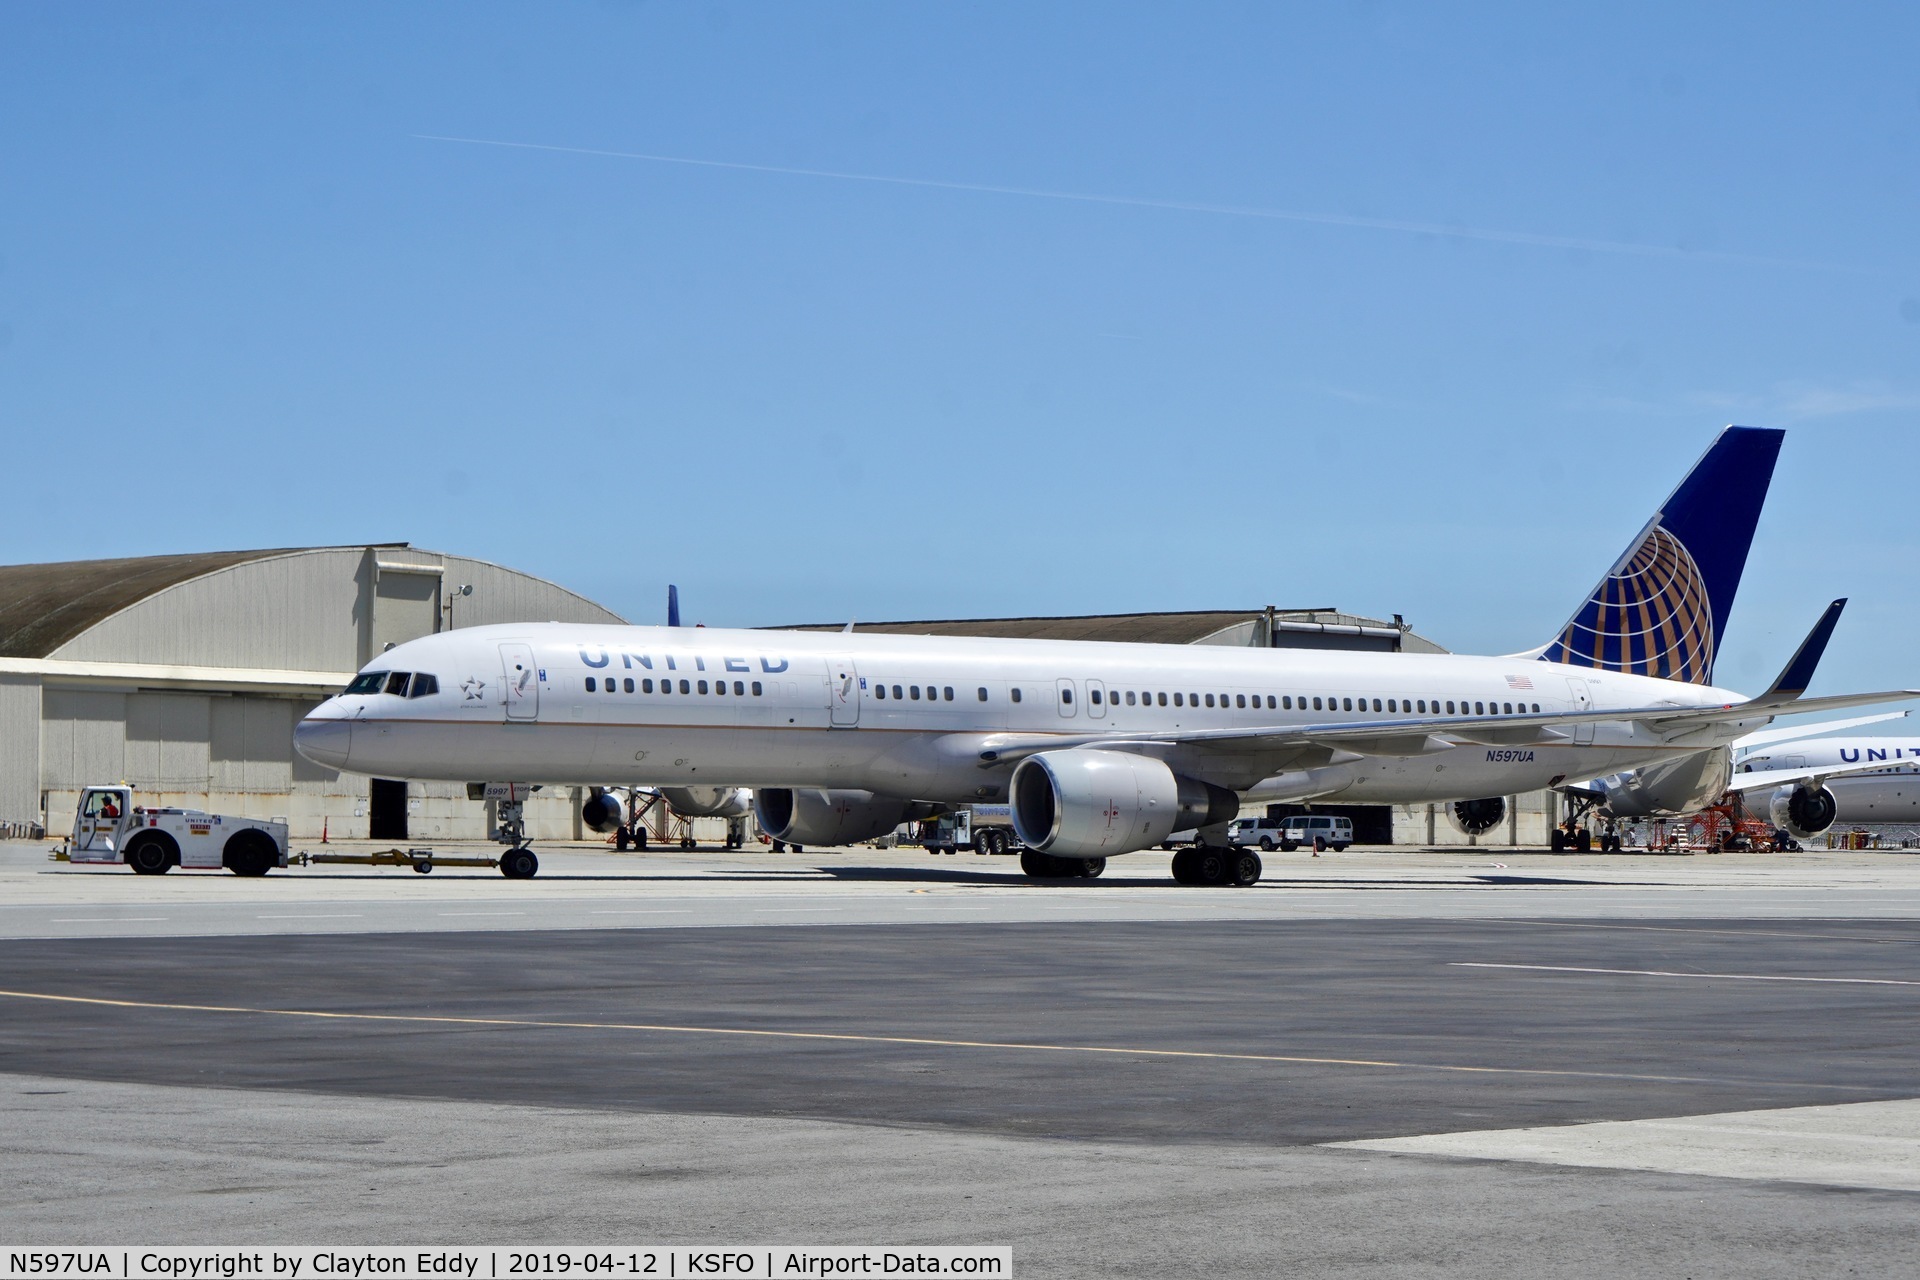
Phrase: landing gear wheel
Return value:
(519, 864)
(1558, 840)
(779, 846)
(250, 853)
(1092, 868)
(1183, 867)
(1212, 866)
(1584, 842)
(1044, 866)
(1246, 868)
(150, 855)
(620, 840)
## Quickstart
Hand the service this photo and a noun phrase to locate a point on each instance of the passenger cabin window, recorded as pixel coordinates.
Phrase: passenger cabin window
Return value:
(1449, 706)
(1066, 697)
(646, 686)
(1015, 691)
(1507, 707)
(627, 684)
(983, 693)
(1316, 704)
(368, 682)
(684, 688)
(897, 695)
(1240, 699)
(948, 691)
(1479, 708)
(1176, 700)
(397, 683)
(914, 692)
(1349, 704)
(880, 692)
(593, 686)
(739, 688)
(1129, 697)
(756, 688)
(424, 684)
(1163, 699)
(1209, 699)
(1095, 695)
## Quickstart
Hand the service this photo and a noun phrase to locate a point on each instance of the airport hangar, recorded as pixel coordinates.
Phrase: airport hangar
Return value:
(184, 676)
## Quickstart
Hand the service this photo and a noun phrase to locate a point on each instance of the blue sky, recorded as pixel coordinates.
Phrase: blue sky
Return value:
(243, 302)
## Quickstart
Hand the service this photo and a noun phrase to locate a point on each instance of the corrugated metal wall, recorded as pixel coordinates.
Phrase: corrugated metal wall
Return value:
(19, 749)
(326, 610)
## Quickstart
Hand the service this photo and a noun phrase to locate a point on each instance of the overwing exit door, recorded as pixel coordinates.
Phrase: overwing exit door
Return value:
(520, 682)
(1580, 699)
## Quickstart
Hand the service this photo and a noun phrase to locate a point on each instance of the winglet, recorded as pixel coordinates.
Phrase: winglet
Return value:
(1798, 674)
(673, 605)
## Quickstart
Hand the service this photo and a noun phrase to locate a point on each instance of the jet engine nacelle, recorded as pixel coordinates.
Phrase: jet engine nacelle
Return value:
(1084, 803)
(1803, 811)
(709, 802)
(601, 812)
(1477, 817)
(1686, 785)
(830, 818)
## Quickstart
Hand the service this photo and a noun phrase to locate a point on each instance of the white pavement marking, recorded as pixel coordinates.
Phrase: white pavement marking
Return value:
(103, 919)
(444, 914)
(766, 910)
(320, 915)
(1671, 973)
(647, 911)
(1854, 1144)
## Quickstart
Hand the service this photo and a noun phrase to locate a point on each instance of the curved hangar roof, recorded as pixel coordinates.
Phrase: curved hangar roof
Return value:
(1252, 628)
(299, 608)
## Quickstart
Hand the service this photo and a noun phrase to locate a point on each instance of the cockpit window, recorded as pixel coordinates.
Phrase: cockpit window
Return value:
(423, 684)
(368, 682)
(397, 683)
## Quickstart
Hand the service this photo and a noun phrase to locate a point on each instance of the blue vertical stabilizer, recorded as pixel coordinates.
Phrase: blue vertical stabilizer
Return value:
(1663, 607)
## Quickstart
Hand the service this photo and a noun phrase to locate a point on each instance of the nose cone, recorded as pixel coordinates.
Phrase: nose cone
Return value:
(325, 742)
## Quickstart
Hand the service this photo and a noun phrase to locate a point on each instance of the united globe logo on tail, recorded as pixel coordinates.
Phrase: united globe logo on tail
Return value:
(1661, 610)
(1651, 616)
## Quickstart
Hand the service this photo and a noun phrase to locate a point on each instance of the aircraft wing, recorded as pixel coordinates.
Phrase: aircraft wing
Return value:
(1417, 736)
(1763, 778)
(1420, 735)
(1767, 737)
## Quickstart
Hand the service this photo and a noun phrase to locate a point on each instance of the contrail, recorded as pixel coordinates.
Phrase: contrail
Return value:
(1528, 238)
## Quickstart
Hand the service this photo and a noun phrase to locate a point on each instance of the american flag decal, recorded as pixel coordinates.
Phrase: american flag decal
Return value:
(1519, 682)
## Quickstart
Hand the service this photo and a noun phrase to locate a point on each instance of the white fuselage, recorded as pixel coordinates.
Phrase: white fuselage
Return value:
(910, 716)
(1891, 794)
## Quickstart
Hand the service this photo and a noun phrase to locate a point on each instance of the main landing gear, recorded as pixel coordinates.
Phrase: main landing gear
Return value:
(1215, 866)
(1576, 834)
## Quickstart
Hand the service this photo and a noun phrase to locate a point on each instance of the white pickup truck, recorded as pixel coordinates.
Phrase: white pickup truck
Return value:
(109, 828)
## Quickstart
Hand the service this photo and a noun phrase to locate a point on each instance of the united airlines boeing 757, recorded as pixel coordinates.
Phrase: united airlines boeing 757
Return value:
(1102, 749)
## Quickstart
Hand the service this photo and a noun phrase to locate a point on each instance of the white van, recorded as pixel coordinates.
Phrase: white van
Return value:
(1318, 830)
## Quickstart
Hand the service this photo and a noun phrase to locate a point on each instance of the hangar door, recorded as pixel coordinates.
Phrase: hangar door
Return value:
(406, 605)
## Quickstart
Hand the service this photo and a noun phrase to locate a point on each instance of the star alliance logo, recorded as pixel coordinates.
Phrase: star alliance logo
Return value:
(474, 686)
